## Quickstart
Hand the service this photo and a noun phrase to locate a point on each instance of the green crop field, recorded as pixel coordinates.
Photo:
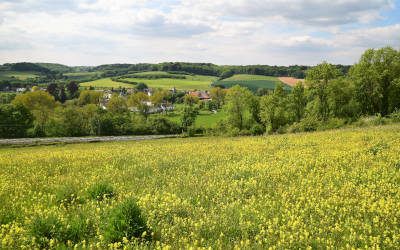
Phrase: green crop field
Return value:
(252, 82)
(82, 74)
(17, 74)
(190, 82)
(334, 189)
(106, 83)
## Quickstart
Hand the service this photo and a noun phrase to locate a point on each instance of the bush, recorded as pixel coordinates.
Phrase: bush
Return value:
(307, 124)
(125, 220)
(44, 229)
(100, 191)
(161, 125)
(50, 227)
(67, 195)
(78, 228)
(395, 116)
(332, 123)
(257, 129)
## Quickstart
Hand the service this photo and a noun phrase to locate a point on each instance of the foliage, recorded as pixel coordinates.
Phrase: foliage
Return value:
(376, 80)
(15, 120)
(273, 110)
(117, 104)
(317, 80)
(101, 191)
(126, 221)
(237, 106)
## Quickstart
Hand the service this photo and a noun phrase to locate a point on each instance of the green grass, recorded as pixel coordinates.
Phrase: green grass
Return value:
(253, 82)
(190, 83)
(106, 83)
(205, 119)
(83, 74)
(18, 75)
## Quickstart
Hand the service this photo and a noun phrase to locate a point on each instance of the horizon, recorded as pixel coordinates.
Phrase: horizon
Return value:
(254, 32)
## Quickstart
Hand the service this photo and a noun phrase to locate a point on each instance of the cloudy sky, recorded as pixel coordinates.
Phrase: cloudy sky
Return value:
(93, 32)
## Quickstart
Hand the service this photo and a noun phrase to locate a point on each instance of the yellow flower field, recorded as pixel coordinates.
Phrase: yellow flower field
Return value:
(336, 189)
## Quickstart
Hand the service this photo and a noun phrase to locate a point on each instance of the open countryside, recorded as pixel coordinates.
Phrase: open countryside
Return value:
(182, 124)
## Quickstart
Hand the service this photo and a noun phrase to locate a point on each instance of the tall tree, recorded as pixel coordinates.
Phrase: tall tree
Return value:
(375, 76)
(237, 105)
(274, 111)
(218, 96)
(298, 101)
(72, 88)
(41, 104)
(52, 89)
(318, 79)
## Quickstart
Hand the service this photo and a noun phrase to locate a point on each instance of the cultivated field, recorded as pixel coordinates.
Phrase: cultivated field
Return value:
(335, 189)
(252, 82)
(17, 74)
(106, 83)
(291, 81)
(190, 82)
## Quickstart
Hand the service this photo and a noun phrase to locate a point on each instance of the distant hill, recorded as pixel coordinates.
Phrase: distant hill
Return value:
(252, 82)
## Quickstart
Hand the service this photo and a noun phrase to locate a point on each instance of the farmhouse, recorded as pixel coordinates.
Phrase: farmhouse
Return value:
(202, 95)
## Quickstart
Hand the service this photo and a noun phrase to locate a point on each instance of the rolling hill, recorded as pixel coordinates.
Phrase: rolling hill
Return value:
(253, 82)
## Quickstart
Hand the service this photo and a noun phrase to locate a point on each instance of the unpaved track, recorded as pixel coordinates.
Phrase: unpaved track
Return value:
(56, 140)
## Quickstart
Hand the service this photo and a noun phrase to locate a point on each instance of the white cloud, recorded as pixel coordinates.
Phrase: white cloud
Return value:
(219, 31)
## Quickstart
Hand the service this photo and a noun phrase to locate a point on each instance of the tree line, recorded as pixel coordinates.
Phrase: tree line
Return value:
(368, 93)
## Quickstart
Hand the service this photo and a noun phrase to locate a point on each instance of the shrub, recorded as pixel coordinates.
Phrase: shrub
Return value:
(161, 125)
(257, 129)
(125, 220)
(44, 229)
(67, 195)
(332, 123)
(395, 116)
(100, 191)
(50, 227)
(78, 228)
(307, 124)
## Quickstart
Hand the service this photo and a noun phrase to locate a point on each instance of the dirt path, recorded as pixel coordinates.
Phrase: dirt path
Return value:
(47, 141)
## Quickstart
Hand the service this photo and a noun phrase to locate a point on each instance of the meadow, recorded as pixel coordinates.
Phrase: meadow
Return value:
(335, 189)
(5, 75)
(106, 83)
(253, 82)
(190, 82)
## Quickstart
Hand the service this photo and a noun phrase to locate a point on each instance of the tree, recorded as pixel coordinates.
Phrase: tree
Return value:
(298, 101)
(188, 117)
(89, 97)
(41, 104)
(274, 111)
(237, 105)
(14, 121)
(375, 76)
(218, 96)
(318, 79)
(72, 88)
(190, 100)
(52, 89)
(341, 99)
(140, 101)
(159, 97)
(117, 105)
(62, 95)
